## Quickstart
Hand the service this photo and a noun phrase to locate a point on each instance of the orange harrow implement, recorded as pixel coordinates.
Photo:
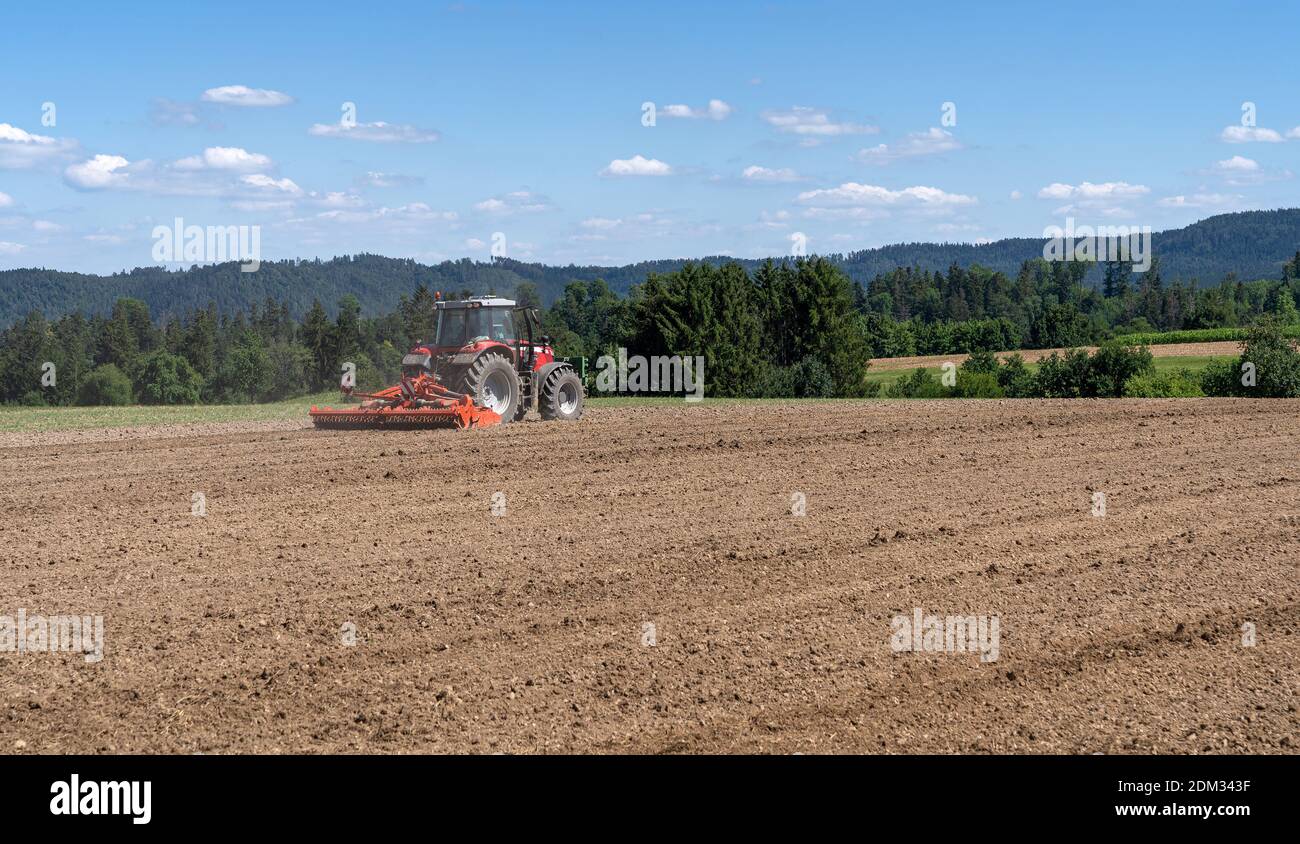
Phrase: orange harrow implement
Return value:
(418, 402)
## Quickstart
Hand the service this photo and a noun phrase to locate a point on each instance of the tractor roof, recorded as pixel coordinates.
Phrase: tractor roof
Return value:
(478, 302)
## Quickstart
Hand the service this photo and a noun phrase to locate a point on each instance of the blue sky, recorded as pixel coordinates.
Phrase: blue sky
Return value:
(525, 121)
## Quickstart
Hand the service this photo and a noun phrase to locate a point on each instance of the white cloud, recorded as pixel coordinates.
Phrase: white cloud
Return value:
(167, 112)
(773, 219)
(375, 179)
(226, 158)
(755, 173)
(1237, 164)
(516, 202)
(769, 220)
(855, 194)
(261, 181)
(637, 165)
(1109, 190)
(219, 173)
(1249, 134)
(1091, 193)
(7, 248)
(933, 141)
(262, 205)
(802, 120)
(339, 199)
(639, 226)
(1094, 208)
(5, 200)
(415, 212)
(1239, 171)
(377, 132)
(1015, 194)
(715, 110)
(102, 171)
(1293, 133)
(1201, 200)
(20, 149)
(12, 134)
(46, 226)
(242, 95)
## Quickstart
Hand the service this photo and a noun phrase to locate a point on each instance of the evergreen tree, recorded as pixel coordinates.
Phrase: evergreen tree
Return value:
(317, 338)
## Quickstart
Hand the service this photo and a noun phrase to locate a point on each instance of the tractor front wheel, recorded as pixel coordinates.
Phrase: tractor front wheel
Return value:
(493, 383)
(561, 395)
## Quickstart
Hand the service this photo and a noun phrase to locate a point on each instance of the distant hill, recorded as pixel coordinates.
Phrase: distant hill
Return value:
(1252, 244)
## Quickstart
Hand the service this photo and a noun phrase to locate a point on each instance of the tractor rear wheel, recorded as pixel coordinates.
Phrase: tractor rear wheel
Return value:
(561, 395)
(493, 383)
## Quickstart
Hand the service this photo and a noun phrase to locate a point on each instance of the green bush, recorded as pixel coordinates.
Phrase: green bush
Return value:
(809, 379)
(369, 378)
(1135, 327)
(245, 374)
(982, 362)
(1221, 378)
(1277, 363)
(976, 385)
(291, 365)
(105, 385)
(1076, 375)
(1015, 379)
(1181, 383)
(921, 384)
(387, 359)
(1283, 307)
(774, 382)
(162, 378)
(1112, 365)
(1062, 377)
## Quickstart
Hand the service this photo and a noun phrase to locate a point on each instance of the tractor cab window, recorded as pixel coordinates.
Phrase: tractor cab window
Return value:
(457, 326)
(502, 324)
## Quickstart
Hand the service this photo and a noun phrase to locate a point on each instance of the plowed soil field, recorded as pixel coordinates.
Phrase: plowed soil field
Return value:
(661, 579)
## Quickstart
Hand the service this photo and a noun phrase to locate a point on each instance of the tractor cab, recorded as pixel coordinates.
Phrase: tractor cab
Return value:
(474, 325)
(475, 320)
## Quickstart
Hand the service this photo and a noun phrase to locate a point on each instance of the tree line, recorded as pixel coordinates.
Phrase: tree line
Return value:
(793, 328)
(1046, 306)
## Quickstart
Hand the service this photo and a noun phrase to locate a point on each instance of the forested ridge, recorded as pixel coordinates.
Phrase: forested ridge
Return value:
(794, 328)
(1248, 245)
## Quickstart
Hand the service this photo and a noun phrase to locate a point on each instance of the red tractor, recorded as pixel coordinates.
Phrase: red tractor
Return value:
(487, 362)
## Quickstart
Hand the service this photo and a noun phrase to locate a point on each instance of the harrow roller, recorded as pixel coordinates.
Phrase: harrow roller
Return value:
(419, 402)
